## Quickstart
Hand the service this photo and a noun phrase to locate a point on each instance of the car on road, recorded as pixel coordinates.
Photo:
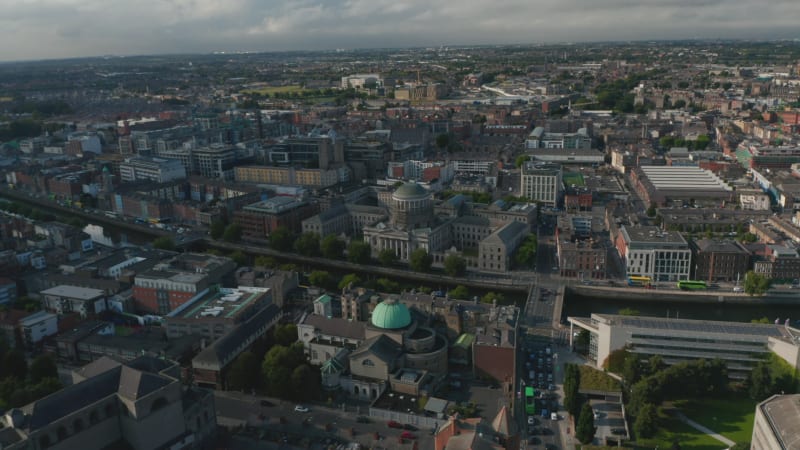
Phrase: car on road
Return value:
(301, 409)
(409, 427)
(394, 424)
(266, 403)
(618, 431)
(363, 419)
(533, 441)
(531, 420)
(408, 435)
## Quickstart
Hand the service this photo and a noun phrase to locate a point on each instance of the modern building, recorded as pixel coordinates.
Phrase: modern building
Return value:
(318, 178)
(158, 170)
(775, 424)
(362, 81)
(141, 405)
(651, 252)
(719, 260)
(216, 313)
(541, 182)
(8, 291)
(170, 284)
(37, 326)
(320, 152)
(740, 345)
(539, 138)
(660, 184)
(66, 299)
(259, 220)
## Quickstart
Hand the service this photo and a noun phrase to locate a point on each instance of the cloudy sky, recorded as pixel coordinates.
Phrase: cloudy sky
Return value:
(35, 29)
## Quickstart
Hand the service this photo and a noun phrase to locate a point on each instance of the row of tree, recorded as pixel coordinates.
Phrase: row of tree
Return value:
(577, 405)
(20, 383)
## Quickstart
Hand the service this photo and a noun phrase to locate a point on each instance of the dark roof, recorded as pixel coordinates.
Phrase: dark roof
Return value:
(383, 347)
(224, 349)
(134, 384)
(336, 326)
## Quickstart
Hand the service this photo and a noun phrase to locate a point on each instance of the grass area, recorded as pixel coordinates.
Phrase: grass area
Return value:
(275, 89)
(596, 380)
(571, 178)
(731, 417)
(673, 429)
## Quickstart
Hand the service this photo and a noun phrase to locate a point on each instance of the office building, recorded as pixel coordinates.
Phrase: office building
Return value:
(65, 299)
(158, 170)
(259, 220)
(651, 252)
(541, 182)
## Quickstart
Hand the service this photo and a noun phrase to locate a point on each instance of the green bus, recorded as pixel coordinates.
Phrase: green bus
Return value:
(692, 285)
(530, 401)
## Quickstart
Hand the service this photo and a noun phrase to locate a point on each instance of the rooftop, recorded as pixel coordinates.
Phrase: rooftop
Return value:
(75, 292)
(684, 178)
(220, 302)
(783, 414)
(693, 326)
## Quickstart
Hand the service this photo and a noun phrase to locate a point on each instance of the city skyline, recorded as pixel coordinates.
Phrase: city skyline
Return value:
(50, 29)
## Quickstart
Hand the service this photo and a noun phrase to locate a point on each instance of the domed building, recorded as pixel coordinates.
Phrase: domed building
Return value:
(412, 224)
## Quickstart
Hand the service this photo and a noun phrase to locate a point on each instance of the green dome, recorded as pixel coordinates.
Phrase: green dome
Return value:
(410, 191)
(391, 315)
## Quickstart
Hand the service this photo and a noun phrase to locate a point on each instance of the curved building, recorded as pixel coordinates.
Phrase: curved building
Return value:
(411, 207)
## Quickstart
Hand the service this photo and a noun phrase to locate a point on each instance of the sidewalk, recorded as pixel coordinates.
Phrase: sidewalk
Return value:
(704, 429)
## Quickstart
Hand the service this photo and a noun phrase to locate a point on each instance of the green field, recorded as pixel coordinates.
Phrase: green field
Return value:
(731, 417)
(673, 429)
(275, 89)
(571, 178)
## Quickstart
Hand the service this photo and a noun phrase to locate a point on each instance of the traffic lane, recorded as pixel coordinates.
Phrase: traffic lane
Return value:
(329, 420)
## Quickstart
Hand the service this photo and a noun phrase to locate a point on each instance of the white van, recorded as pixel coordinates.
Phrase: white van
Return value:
(738, 289)
(553, 416)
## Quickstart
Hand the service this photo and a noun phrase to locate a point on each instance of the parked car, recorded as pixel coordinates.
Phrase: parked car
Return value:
(301, 409)
(363, 419)
(266, 403)
(394, 424)
(530, 420)
(408, 426)
(408, 435)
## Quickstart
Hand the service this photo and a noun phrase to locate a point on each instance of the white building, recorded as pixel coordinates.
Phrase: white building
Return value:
(541, 182)
(159, 170)
(775, 425)
(359, 81)
(539, 138)
(38, 326)
(651, 252)
(65, 299)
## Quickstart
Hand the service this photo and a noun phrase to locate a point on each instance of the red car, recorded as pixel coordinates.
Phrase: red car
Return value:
(407, 435)
(394, 424)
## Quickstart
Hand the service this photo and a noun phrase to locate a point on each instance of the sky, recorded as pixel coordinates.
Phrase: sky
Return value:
(43, 29)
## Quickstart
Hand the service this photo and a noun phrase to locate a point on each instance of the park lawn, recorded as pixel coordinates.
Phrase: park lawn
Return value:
(731, 417)
(273, 89)
(597, 380)
(672, 429)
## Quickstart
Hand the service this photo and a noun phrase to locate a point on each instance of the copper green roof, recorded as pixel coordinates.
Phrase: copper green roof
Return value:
(391, 315)
(409, 191)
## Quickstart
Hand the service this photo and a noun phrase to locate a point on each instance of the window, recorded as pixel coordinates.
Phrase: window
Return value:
(368, 363)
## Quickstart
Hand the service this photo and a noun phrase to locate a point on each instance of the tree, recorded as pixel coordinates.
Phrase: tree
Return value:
(702, 142)
(526, 253)
(320, 278)
(442, 141)
(278, 365)
(265, 261)
(572, 383)
(359, 252)
(307, 244)
(216, 229)
(42, 367)
(459, 293)
(239, 258)
(420, 260)
(585, 429)
(387, 257)
(631, 370)
(492, 297)
(232, 233)
(332, 247)
(348, 280)
(651, 211)
(521, 159)
(454, 265)
(244, 374)
(281, 239)
(304, 383)
(164, 243)
(759, 382)
(387, 285)
(14, 365)
(285, 334)
(616, 360)
(646, 423)
(756, 283)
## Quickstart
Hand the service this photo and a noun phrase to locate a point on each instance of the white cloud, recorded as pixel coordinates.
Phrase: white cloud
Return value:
(61, 28)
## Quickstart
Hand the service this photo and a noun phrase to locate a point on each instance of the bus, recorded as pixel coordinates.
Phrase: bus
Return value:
(530, 401)
(638, 281)
(692, 285)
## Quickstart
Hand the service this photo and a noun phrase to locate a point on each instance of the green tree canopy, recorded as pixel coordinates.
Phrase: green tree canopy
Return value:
(245, 373)
(281, 239)
(387, 257)
(321, 278)
(420, 260)
(492, 297)
(42, 367)
(265, 261)
(585, 429)
(216, 229)
(164, 243)
(454, 265)
(232, 233)
(349, 279)
(14, 365)
(285, 334)
(646, 423)
(307, 244)
(239, 258)
(459, 293)
(359, 252)
(756, 283)
(332, 247)
(526, 253)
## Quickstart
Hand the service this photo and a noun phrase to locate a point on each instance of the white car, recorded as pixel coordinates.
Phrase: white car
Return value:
(301, 409)
(531, 420)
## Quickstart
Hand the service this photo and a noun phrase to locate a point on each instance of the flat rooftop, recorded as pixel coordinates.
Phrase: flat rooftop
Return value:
(653, 234)
(221, 303)
(666, 325)
(783, 414)
(76, 292)
(684, 178)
